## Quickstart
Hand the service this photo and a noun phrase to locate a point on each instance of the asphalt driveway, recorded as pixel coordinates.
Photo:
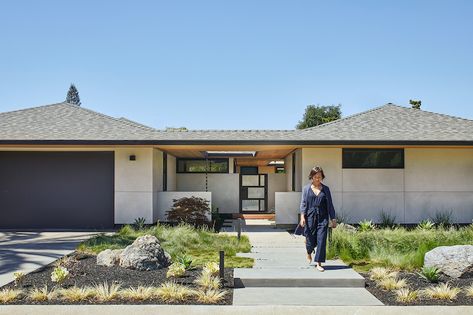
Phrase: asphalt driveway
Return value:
(28, 251)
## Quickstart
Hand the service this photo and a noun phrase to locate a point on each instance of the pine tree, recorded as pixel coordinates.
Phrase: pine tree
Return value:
(317, 115)
(415, 103)
(73, 95)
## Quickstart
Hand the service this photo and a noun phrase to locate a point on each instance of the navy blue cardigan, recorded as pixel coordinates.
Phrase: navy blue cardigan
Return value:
(326, 190)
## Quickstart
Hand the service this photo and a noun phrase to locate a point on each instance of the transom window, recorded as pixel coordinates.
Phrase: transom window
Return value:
(202, 166)
(373, 158)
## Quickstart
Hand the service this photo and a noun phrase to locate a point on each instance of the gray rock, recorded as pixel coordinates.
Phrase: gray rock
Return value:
(454, 261)
(145, 254)
(109, 257)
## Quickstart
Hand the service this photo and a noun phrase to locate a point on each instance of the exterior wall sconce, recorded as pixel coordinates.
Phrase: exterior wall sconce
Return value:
(132, 157)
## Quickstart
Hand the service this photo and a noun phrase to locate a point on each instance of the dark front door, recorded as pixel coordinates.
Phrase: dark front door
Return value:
(56, 190)
(253, 192)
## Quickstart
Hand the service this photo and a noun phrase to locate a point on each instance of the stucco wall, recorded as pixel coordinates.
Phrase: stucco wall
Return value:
(276, 182)
(434, 179)
(165, 201)
(287, 207)
(224, 188)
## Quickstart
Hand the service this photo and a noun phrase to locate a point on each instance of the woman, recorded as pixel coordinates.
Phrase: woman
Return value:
(316, 212)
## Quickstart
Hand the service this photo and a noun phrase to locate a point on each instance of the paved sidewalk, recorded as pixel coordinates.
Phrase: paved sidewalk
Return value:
(282, 276)
(28, 251)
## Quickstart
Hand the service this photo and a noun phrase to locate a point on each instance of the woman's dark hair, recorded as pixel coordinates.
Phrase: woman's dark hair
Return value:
(315, 170)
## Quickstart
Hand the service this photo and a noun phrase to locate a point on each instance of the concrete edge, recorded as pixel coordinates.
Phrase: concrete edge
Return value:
(235, 310)
(255, 282)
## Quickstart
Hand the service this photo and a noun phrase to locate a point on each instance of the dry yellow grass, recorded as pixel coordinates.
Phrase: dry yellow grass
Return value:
(442, 291)
(469, 290)
(207, 281)
(76, 294)
(405, 295)
(138, 294)
(105, 292)
(380, 273)
(42, 294)
(9, 295)
(171, 291)
(210, 296)
(390, 284)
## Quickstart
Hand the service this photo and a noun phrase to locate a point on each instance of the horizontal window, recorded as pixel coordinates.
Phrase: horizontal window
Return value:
(373, 158)
(202, 166)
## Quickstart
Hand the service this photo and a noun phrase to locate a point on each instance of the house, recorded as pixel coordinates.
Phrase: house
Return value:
(67, 167)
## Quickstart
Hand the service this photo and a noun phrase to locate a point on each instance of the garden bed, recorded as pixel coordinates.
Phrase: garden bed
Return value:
(85, 273)
(416, 282)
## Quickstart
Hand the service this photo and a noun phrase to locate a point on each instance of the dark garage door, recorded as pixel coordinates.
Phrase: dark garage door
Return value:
(56, 190)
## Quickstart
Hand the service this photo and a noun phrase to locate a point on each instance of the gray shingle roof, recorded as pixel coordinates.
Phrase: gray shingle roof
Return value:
(390, 123)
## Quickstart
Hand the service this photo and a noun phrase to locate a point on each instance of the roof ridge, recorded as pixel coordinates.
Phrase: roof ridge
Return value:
(434, 113)
(348, 117)
(31, 108)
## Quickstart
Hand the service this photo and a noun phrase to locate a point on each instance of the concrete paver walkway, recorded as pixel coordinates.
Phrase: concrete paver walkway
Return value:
(282, 276)
(28, 251)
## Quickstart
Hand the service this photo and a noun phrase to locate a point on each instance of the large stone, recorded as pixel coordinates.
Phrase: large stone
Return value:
(145, 254)
(109, 257)
(454, 261)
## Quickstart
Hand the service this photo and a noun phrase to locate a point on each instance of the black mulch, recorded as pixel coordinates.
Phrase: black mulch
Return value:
(416, 282)
(84, 272)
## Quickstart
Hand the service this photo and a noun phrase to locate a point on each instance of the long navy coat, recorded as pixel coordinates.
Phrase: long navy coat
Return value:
(304, 200)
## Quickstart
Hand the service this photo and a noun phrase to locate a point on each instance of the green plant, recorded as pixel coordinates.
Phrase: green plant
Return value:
(443, 218)
(405, 295)
(210, 296)
(18, 277)
(139, 223)
(9, 295)
(365, 225)
(59, 275)
(429, 273)
(176, 270)
(387, 220)
(171, 291)
(185, 260)
(191, 210)
(442, 292)
(106, 292)
(425, 225)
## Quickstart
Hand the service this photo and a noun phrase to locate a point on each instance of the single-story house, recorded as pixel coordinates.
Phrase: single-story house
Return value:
(67, 167)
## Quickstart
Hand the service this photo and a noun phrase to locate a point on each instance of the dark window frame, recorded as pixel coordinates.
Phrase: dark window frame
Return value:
(178, 160)
(165, 171)
(346, 164)
(293, 169)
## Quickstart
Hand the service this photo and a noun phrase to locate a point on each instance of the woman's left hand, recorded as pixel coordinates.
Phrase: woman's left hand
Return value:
(334, 223)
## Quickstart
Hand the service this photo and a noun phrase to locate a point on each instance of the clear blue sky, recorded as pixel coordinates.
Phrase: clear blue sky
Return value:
(236, 64)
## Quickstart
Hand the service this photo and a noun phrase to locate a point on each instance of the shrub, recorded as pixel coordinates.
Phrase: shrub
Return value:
(59, 275)
(43, 294)
(106, 292)
(212, 267)
(207, 281)
(170, 291)
(365, 225)
(139, 223)
(387, 220)
(405, 295)
(185, 260)
(443, 218)
(138, 294)
(9, 295)
(76, 294)
(176, 270)
(390, 284)
(210, 296)
(18, 277)
(380, 273)
(191, 210)
(429, 273)
(425, 225)
(442, 292)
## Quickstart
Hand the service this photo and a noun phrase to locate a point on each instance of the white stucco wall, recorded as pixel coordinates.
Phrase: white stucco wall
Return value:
(287, 207)
(224, 188)
(434, 179)
(165, 201)
(276, 182)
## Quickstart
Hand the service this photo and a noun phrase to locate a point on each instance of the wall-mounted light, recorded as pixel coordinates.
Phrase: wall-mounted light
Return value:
(132, 157)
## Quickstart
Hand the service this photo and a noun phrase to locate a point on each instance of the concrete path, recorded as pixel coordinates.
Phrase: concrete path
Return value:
(28, 251)
(282, 276)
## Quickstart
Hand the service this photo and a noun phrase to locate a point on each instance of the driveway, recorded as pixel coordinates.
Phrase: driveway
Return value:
(28, 251)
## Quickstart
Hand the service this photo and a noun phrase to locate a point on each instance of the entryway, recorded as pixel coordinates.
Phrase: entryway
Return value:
(253, 190)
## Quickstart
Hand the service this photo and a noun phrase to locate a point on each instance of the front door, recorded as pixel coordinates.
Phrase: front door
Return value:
(253, 192)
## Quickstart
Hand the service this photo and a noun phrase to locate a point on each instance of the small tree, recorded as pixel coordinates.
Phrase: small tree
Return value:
(191, 210)
(415, 103)
(73, 95)
(317, 115)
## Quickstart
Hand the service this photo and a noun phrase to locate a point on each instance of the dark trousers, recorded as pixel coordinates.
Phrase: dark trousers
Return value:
(316, 237)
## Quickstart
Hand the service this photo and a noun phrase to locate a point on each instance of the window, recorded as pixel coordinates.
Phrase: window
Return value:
(202, 166)
(293, 172)
(280, 170)
(373, 158)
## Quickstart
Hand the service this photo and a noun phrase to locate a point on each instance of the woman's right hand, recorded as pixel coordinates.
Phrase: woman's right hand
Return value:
(302, 222)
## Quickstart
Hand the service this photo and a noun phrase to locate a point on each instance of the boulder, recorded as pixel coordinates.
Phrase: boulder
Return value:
(145, 254)
(109, 257)
(454, 261)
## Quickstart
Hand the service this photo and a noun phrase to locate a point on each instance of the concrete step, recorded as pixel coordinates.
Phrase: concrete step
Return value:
(304, 296)
(334, 276)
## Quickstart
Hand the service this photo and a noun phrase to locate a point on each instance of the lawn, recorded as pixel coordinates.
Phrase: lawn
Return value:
(398, 248)
(202, 244)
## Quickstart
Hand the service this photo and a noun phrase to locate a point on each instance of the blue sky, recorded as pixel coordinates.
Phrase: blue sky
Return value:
(236, 64)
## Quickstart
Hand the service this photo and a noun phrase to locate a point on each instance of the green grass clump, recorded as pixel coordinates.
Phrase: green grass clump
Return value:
(201, 245)
(430, 273)
(396, 248)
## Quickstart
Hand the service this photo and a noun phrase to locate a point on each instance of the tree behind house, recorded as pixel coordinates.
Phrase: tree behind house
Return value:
(73, 96)
(415, 103)
(317, 115)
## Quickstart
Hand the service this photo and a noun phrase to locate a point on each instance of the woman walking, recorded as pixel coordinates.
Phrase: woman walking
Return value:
(317, 212)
